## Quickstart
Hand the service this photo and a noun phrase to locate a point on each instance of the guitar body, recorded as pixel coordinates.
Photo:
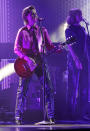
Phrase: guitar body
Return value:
(22, 68)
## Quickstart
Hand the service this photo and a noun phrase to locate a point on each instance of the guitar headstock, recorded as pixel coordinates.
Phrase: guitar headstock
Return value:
(70, 40)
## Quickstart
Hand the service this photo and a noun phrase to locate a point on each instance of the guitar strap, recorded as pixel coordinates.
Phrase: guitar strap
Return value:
(35, 41)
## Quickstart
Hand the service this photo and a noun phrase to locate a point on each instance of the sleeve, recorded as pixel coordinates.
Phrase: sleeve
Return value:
(69, 33)
(47, 40)
(18, 44)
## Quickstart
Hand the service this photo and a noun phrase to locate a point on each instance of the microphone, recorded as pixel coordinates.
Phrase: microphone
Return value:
(84, 20)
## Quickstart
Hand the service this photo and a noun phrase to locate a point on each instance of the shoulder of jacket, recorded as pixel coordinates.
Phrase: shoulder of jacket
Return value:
(21, 29)
(43, 28)
(67, 29)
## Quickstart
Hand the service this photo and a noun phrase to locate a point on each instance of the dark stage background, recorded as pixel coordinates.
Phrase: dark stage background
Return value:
(55, 13)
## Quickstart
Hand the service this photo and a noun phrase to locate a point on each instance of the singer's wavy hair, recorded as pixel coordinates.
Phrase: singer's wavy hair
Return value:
(71, 19)
(26, 11)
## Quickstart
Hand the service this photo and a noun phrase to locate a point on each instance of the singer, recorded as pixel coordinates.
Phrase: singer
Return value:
(77, 66)
(28, 44)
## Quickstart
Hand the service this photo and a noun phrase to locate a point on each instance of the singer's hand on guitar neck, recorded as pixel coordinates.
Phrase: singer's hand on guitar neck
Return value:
(30, 62)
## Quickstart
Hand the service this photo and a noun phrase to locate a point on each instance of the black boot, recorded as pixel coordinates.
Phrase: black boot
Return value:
(52, 121)
(18, 121)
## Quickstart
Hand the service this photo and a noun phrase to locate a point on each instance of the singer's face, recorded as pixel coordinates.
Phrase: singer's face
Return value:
(32, 18)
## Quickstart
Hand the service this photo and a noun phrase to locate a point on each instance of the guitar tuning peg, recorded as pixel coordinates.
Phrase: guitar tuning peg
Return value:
(69, 37)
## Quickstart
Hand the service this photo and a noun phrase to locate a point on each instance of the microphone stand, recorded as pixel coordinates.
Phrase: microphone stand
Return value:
(87, 117)
(44, 79)
(87, 24)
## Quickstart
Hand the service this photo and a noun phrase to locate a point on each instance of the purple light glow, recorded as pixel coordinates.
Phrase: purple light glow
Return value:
(3, 21)
(6, 69)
